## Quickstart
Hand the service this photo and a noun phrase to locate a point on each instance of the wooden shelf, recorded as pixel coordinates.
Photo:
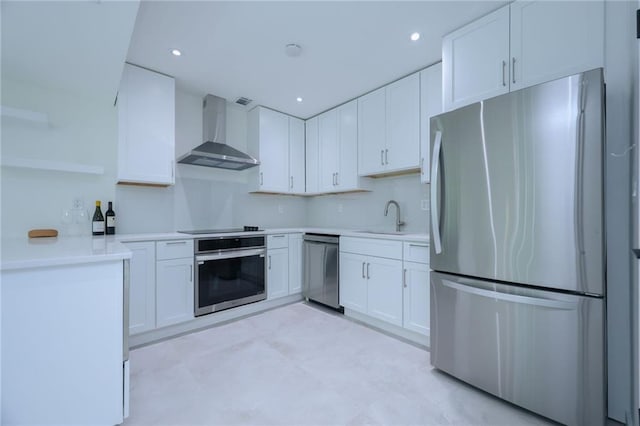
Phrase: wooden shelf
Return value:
(60, 166)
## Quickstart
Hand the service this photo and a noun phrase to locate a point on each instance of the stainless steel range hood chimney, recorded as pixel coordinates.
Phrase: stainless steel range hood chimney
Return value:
(214, 152)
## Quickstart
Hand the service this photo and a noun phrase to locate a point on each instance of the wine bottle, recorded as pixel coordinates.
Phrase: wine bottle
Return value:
(111, 220)
(98, 221)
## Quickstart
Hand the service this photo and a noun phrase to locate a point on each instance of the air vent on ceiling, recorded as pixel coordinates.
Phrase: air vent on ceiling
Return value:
(243, 101)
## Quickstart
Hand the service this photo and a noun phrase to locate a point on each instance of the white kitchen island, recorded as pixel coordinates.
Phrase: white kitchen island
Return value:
(62, 331)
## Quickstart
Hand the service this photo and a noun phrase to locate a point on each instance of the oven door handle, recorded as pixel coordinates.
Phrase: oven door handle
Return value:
(230, 255)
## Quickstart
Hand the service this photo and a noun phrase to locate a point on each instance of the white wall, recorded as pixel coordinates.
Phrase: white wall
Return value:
(81, 131)
(365, 210)
(203, 197)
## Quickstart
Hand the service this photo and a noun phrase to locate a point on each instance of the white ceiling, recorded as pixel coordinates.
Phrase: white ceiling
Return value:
(76, 46)
(230, 48)
(237, 48)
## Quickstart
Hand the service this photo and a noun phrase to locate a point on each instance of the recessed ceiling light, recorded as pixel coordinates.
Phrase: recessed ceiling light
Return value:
(176, 52)
(299, 99)
(415, 36)
(292, 50)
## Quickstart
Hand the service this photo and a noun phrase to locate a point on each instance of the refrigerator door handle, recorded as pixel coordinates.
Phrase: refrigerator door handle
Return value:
(435, 208)
(526, 300)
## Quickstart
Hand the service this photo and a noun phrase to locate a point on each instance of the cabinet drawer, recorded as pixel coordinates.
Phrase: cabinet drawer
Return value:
(175, 249)
(372, 247)
(277, 241)
(416, 252)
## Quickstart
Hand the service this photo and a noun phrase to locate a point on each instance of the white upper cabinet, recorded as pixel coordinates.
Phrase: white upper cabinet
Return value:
(338, 149)
(372, 132)
(519, 45)
(269, 142)
(475, 60)
(312, 155)
(554, 39)
(430, 105)
(389, 128)
(403, 124)
(296, 156)
(146, 127)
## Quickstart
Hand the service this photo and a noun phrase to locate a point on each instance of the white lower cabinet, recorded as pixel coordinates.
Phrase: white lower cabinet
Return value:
(295, 263)
(277, 272)
(353, 282)
(369, 284)
(142, 291)
(174, 291)
(393, 289)
(416, 297)
(384, 289)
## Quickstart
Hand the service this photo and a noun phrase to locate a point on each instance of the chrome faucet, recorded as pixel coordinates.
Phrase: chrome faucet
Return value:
(399, 223)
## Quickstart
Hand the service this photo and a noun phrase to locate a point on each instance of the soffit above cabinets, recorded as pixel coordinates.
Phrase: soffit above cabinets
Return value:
(76, 46)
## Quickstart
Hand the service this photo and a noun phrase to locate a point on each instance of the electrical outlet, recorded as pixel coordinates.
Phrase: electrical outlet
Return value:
(340, 208)
(280, 209)
(424, 204)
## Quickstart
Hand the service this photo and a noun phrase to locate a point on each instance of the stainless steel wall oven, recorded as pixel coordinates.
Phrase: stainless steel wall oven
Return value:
(230, 271)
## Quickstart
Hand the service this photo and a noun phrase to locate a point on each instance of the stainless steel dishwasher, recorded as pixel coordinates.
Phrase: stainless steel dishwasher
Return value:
(321, 269)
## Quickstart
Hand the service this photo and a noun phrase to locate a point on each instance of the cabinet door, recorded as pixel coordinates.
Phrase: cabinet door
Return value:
(384, 289)
(295, 263)
(475, 60)
(550, 40)
(328, 141)
(371, 132)
(146, 127)
(296, 156)
(174, 291)
(353, 282)
(277, 273)
(274, 151)
(312, 154)
(416, 297)
(403, 124)
(347, 155)
(142, 288)
(430, 105)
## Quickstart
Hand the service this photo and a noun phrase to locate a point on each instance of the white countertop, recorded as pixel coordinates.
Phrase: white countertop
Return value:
(22, 253)
(415, 237)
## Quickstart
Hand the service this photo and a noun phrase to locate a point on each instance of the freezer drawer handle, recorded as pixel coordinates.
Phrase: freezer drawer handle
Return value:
(526, 300)
(435, 209)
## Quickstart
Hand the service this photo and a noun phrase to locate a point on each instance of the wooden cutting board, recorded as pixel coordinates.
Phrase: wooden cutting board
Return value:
(40, 233)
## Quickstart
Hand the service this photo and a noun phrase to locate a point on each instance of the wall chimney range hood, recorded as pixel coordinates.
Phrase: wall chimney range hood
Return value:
(214, 152)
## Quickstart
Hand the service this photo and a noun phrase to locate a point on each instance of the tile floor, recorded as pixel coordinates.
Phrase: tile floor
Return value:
(302, 365)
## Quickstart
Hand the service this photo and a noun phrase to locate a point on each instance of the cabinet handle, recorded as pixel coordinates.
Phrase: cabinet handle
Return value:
(513, 70)
(368, 270)
(382, 157)
(363, 270)
(337, 181)
(278, 236)
(386, 156)
(422, 166)
(269, 262)
(504, 73)
(175, 243)
(404, 278)
(291, 184)
(191, 273)
(261, 179)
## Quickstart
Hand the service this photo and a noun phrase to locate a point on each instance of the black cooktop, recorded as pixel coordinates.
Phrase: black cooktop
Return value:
(221, 231)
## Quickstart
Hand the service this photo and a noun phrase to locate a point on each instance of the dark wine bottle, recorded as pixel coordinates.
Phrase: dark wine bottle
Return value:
(111, 220)
(98, 221)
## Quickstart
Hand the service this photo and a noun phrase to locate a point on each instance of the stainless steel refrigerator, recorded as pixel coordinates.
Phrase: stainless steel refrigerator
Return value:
(517, 247)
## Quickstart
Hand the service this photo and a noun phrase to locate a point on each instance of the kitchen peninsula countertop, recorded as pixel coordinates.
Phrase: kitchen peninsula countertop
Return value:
(22, 253)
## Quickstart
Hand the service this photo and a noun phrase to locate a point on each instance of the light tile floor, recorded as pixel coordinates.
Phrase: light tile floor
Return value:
(301, 365)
